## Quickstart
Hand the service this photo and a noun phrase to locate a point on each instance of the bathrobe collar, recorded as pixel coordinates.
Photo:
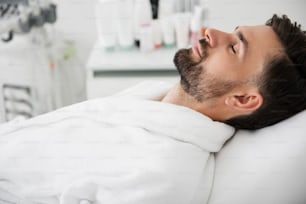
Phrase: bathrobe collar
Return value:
(174, 121)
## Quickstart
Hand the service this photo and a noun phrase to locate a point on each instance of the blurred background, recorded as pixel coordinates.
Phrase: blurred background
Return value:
(58, 52)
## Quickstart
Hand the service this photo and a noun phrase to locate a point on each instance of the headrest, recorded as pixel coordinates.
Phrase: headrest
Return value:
(266, 166)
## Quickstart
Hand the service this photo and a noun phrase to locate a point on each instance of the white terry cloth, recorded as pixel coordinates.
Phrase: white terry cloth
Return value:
(115, 150)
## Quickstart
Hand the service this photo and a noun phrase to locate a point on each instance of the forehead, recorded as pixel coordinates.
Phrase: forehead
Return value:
(264, 37)
(263, 43)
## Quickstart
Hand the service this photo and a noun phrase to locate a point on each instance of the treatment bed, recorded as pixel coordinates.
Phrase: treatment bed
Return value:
(158, 153)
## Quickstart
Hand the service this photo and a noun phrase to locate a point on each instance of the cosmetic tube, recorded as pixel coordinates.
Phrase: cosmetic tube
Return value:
(196, 26)
(157, 34)
(106, 24)
(142, 16)
(167, 27)
(146, 38)
(154, 7)
(166, 8)
(181, 24)
(205, 16)
(124, 24)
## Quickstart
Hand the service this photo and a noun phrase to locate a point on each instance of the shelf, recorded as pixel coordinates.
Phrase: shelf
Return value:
(161, 59)
(112, 72)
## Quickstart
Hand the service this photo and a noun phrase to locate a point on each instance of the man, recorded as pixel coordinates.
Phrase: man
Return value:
(120, 150)
(250, 79)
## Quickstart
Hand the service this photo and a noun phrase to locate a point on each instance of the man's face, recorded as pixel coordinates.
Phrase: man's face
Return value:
(222, 62)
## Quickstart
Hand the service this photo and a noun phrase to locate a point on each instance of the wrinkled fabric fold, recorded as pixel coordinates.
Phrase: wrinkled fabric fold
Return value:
(111, 150)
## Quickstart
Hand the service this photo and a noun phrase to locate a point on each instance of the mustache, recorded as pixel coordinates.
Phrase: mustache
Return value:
(204, 45)
(189, 69)
(182, 57)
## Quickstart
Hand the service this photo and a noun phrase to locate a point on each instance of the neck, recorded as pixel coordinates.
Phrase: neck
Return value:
(178, 96)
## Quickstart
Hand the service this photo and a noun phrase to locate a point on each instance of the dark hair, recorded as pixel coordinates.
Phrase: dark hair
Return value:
(283, 83)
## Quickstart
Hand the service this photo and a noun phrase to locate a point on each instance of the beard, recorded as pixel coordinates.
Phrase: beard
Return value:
(195, 80)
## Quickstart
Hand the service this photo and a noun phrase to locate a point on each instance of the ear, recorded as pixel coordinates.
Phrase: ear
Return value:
(246, 103)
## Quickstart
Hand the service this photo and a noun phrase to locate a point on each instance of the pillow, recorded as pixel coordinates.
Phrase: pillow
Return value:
(267, 166)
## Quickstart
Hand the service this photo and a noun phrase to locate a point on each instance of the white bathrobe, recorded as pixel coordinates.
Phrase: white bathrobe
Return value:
(116, 150)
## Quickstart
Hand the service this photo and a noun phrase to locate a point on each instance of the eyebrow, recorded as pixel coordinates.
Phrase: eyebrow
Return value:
(244, 41)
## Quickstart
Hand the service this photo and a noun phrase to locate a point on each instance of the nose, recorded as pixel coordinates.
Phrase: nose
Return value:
(216, 38)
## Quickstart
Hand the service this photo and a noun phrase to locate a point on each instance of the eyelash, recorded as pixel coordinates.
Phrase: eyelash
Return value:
(233, 49)
(241, 39)
(240, 36)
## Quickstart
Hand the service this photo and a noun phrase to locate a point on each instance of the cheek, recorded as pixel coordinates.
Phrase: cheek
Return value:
(219, 66)
(225, 67)
(256, 63)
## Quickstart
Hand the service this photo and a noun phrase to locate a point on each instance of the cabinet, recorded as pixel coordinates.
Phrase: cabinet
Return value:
(111, 72)
(16, 80)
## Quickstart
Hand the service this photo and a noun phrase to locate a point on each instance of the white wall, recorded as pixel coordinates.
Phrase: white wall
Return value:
(76, 18)
(76, 21)
(227, 14)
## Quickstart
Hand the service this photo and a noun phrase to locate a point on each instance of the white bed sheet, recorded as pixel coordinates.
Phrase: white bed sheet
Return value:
(266, 166)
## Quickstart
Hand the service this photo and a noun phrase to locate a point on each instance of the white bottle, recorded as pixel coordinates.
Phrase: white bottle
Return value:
(182, 24)
(142, 16)
(166, 8)
(106, 24)
(146, 38)
(196, 25)
(168, 31)
(124, 23)
(166, 16)
(206, 16)
(157, 34)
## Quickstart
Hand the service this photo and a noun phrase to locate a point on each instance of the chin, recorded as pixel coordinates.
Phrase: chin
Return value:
(183, 60)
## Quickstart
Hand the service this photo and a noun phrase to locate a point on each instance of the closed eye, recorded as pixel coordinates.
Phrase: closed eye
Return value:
(243, 40)
(233, 49)
(240, 36)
